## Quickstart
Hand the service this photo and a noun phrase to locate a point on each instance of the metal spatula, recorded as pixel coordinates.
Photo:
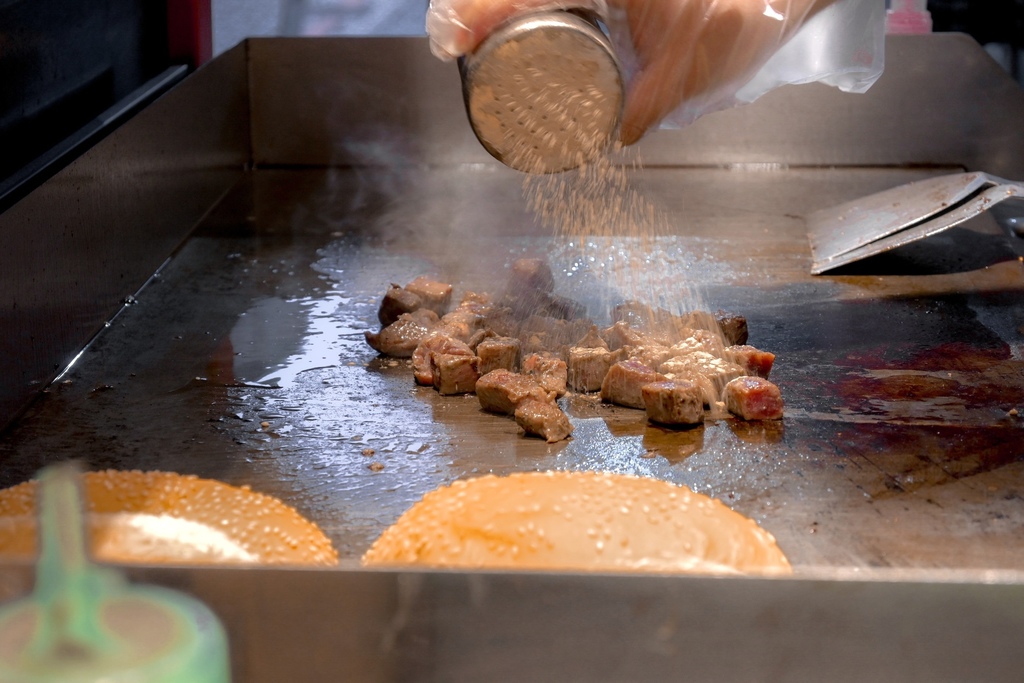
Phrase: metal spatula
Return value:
(880, 222)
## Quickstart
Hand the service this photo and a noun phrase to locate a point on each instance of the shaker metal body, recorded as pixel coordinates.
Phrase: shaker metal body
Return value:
(544, 92)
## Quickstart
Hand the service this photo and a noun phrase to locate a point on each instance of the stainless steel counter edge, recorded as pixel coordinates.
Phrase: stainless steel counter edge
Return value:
(83, 243)
(446, 626)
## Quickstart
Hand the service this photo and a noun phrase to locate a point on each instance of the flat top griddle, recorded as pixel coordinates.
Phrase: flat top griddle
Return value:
(898, 448)
(291, 180)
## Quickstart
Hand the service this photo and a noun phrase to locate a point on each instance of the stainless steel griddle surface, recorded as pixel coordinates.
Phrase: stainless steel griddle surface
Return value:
(244, 360)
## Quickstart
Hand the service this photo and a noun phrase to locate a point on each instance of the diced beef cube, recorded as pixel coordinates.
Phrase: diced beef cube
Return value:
(435, 295)
(563, 308)
(396, 302)
(592, 340)
(500, 391)
(711, 374)
(652, 355)
(733, 327)
(498, 352)
(623, 385)
(524, 304)
(546, 420)
(753, 398)
(587, 368)
(620, 334)
(435, 342)
(552, 373)
(674, 402)
(530, 273)
(753, 361)
(400, 338)
(454, 374)
(468, 318)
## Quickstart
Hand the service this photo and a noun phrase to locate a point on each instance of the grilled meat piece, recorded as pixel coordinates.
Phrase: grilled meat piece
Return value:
(587, 368)
(621, 334)
(551, 334)
(454, 374)
(708, 372)
(546, 420)
(397, 301)
(530, 273)
(592, 340)
(753, 361)
(753, 398)
(500, 391)
(469, 317)
(435, 342)
(652, 356)
(674, 402)
(434, 294)
(733, 327)
(498, 352)
(400, 338)
(624, 383)
(552, 373)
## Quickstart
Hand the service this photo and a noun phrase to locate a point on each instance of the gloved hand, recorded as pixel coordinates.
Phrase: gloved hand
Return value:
(693, 52)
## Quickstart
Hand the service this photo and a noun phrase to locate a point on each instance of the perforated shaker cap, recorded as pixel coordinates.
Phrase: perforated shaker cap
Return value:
(544, 92)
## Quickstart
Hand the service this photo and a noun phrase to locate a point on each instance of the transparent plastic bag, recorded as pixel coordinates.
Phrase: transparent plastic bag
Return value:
(456, 27)
(842, 46)
(686, 58)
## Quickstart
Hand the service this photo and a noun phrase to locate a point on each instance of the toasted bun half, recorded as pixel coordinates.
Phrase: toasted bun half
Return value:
(162, 517)
(576, 521)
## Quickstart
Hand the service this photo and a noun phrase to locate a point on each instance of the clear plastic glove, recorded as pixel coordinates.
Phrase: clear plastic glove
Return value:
(690, 57)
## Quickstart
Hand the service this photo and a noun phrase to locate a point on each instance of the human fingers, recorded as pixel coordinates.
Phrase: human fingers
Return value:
(457, 27)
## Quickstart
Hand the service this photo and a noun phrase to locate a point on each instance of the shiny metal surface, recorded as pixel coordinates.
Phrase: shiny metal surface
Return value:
(872, 225)
(899, 448)
(942, 102)
(383, 626)
(544, 92)
(84, 242)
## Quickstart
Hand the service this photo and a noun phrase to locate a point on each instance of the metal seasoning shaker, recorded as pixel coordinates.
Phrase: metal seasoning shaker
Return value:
(544, 91)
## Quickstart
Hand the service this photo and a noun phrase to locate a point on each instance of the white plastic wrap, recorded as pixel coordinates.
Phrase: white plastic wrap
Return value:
(843, 45)
(686, 58)
(456, 27)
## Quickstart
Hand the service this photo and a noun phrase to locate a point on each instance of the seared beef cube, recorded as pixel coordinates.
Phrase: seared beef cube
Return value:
(500, 391)
(546, 420)
(733, 327)
(711, 374)
(753, 398)
(587, 368)
(435, 295)
(454, 374)
(634, 314)
(530, 273)
(620, 334)
(468, 317)
(623, 385)
(498, 352)
(552, 373)
(652, 355)
(400, 338)
(434, 342)
(544, 333)
(523, 304)
(753, 361)
(592, 340)
(564, 308)
(396, 302)
(674, 402)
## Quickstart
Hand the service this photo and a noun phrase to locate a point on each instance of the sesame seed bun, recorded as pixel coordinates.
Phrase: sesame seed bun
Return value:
(576, 521)
(162, 517)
